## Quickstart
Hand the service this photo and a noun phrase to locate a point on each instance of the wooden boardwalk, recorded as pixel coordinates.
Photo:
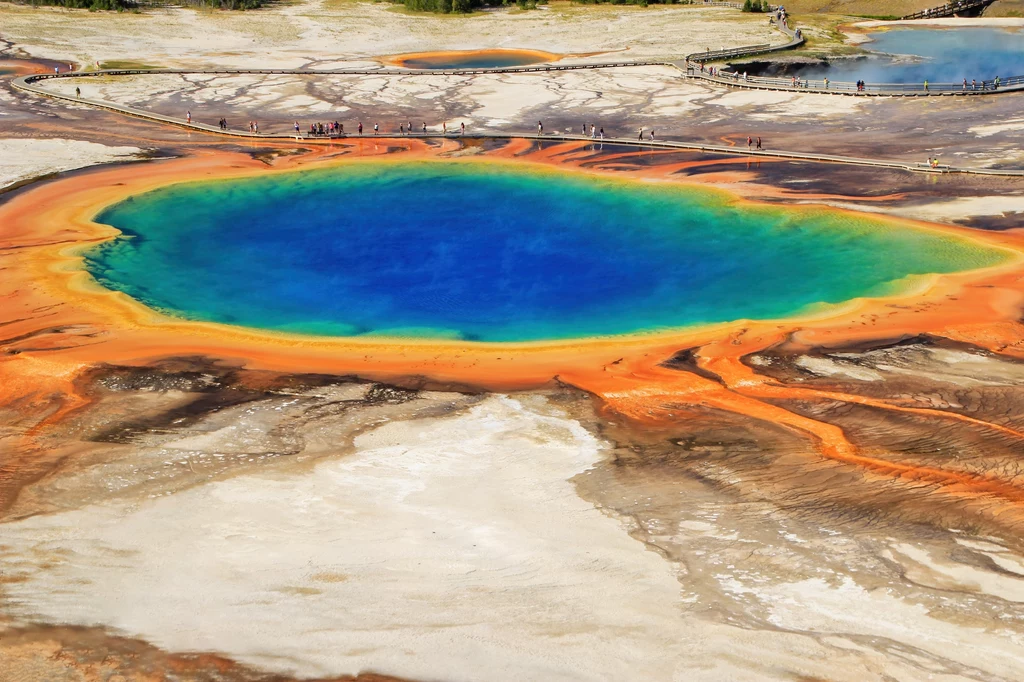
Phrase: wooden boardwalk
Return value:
(951, 9)
(734, 79)
(25, 83)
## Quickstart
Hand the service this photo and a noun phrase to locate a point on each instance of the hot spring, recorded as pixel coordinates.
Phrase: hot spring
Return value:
(489, 251)
(938, 55)
(473, 59)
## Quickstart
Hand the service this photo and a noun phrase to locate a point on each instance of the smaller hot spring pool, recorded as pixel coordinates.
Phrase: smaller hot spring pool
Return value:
(473, 59)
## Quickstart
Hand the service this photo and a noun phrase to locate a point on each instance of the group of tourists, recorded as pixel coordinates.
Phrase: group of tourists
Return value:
(321, 129)
(337, 129)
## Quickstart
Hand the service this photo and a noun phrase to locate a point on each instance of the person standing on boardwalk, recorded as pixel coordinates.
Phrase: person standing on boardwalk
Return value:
(360, 127)
(758, 142)
(78, 92)
(540, 128)
(462, 127)
(652, 134)
(640, 136)
(444, 128)
(376, 128)
(750, 141)
(296, 127)
(602, 133)
(926, 85)
(188, 116)
(424, 127)
(401, 129)
(965, 85)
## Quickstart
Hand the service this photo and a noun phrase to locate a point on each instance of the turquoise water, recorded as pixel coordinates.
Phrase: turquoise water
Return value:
(485, 59)
(493, 252)
(939, 55)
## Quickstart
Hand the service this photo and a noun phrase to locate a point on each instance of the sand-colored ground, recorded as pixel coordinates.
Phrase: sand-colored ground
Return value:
(457, 548)
(616, 99)
(313, 32)
(24, 159)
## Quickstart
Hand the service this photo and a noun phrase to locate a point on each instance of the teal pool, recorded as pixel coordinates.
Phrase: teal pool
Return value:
(495, 252)
(938, 55)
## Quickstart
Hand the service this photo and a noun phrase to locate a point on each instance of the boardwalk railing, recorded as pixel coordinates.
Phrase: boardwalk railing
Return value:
(719, 55)
(802, 84)
(949, 9)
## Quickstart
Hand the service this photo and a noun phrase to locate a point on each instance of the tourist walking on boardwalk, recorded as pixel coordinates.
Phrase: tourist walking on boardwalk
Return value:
(296, 127)
(640, 137)
(401, 129)
(750, 141)
(78, 92)
(926, 85)
(965, 85)
(540, 128)
(593, 131)
(758, 142)
(974, 84)
(462, 127)
(376, 128)
(424, 127)
(602, 133)
(360, 127)
(409, 127)
(995, 83)
(444, 128)
(188, 116)
(583, 132)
